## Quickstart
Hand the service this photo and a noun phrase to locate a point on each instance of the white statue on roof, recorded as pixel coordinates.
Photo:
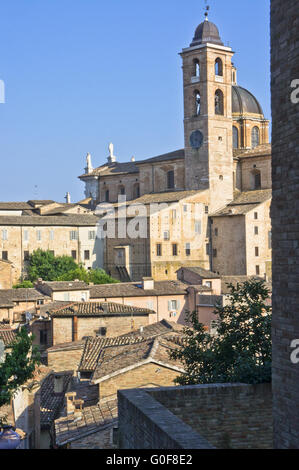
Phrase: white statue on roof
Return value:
(112, 157)
(89, 167)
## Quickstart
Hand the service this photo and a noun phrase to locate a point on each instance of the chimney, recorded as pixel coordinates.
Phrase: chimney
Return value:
(40, 282)
(58, 384)
(148, 283)
(70, 406)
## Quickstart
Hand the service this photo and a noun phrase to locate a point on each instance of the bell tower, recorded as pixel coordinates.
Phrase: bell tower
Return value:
(207, 77)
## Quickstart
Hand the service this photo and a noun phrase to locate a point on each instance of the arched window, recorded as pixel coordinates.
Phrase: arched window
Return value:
(218, 67)
(219, 102)
(255, 137)
(197, 102)
(170, 179)
(196, 68)
(136, 191)
(235, 137)
(256, 180)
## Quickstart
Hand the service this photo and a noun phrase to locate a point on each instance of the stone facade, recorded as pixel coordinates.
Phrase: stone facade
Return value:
(285, 210)
(5, 275)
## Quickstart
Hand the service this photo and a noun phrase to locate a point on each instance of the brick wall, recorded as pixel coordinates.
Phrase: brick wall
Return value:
(211, 416)
(285, 211)
(147, 375)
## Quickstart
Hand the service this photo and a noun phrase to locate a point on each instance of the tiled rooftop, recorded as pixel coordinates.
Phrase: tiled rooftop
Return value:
(204, 273)
(99, 309)
(244, 203)
(134, 289)
(8, 296)
(91, 420)
(71, 220)
(64, 286)
(7, 335)
(51, 403)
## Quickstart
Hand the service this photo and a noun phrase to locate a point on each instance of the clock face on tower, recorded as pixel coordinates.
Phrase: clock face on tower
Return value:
(196, 139)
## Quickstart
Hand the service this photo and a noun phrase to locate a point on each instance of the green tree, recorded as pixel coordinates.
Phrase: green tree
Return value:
(240, 351)
(95, 276)
(24, 285)
(18, 367)
(49, 267)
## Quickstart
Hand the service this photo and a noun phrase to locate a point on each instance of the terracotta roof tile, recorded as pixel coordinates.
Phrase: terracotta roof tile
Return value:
(134, 289)
(51, 403)
(99, 309)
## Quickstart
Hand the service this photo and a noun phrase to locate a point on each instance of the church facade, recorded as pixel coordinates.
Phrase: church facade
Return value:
(220, 181)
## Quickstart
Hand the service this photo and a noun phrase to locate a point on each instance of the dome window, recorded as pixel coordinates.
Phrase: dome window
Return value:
(235, 137)
(218, 67)
(255, 137)
(219, 103)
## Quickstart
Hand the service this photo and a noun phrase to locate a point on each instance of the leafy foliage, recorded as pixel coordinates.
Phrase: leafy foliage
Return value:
(24, 285)
(241, 349)
(18, 367)
(95, 276)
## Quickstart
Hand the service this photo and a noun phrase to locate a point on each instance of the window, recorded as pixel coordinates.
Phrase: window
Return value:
(257, 251)
(121, 190)
(256, 230)
(270, 240)
(188, 249)
(256, 180)
(197, 102)
(5, 255)
(74, 254)
(174, 249)
(107, 195)
(38, 235)
(51, 235)
(4, 235)
(91, 235)
(206, 209)
(219, 103)
(102, 331)
(196, 68)
(173, 305)
(207, 248)
(256, 216)
(86, 255)
(43, 337)
(166, 235)
(159, 249)
(255, 137)
(170, 179)
(185, 208)
(26, 256)
(26, 235)
(257, 270)
(136, 191)
(235, 137)
(218, 67)
(73, 235)
(40, 302)
(197, 227)
(173, 214)
(216, 232)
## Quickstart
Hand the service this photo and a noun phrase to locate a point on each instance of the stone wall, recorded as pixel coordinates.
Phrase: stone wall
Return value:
(61, 360)
(5, 275)
(285, 212)
(219, 416)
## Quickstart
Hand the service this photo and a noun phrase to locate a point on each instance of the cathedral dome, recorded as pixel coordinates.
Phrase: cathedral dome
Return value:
(206, 32)
(244, 102)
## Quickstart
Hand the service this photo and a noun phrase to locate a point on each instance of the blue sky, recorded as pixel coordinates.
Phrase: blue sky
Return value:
(82, 73)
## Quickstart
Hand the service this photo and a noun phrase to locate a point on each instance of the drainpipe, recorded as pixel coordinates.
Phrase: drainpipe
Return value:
(75, 328)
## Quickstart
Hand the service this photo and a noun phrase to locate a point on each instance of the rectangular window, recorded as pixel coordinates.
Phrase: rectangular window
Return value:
(43, 337)
(173, 214)
(174, 249)
(270, 240)
(26, 256)
(91, 235)
(256, 216)
(73, 235)
(257, 251)
(173, 305)
(197, 227)
(257, 270)
(256, 230)
(4, 235)
(206, 209)
(26, 235)
(185, 208)
(86, 255)
(74, 254)
(166, 235)
(188, 249)
(38, 235)
(5, 255)
(159, 249)
(102, 331)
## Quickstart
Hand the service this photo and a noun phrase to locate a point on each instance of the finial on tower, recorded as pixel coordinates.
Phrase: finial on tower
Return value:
(207, 11)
